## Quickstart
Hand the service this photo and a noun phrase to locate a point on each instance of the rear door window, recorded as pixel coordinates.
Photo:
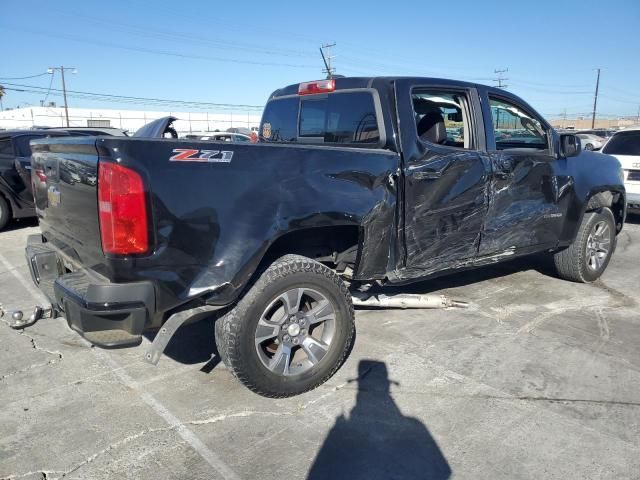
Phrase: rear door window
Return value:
(22, 144)
(623, 143)
(347, 118)
(6, 147)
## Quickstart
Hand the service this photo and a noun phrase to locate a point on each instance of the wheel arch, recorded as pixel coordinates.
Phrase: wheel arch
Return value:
(608, 198)
(336, 244)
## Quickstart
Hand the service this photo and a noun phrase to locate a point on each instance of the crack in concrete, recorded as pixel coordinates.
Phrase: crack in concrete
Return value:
(44, 474)
(129, 438)
(335, 389)
(35, 346)
(522, 398)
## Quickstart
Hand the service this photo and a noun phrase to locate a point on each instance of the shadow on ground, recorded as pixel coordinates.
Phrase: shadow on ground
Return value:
(19, 223)
(375, 440)
(195, 343)
(633, 217)
(541, 263)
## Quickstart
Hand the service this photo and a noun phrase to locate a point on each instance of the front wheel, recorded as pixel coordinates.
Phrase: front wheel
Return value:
(588, 146)
(291, 331)
(589, 254)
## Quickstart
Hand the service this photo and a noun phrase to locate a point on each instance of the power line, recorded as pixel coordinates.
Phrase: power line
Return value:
(181, 36)
(23, 78)
(160, 52)
(49, 89)
(556, 92)
(130, 99)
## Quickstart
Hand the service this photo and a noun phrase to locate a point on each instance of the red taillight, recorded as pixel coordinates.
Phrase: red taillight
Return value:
(318, 86)
(122, 210)
(254, 137)
(41, 175)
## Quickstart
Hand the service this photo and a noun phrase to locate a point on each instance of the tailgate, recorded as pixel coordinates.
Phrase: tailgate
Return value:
(65, 189)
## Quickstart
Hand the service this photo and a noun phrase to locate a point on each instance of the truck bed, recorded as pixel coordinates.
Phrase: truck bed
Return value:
(212, 216)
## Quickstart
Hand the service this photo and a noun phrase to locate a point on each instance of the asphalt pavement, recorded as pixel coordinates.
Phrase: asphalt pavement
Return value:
(539, 378)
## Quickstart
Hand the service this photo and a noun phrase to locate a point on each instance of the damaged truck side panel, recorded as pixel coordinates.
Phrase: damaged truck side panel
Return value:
(354, 180)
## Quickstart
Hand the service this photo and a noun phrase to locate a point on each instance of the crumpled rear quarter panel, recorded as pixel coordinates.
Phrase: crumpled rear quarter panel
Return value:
(215, 221)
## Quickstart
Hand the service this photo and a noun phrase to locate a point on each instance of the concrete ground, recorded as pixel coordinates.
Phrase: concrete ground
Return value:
(540, 378)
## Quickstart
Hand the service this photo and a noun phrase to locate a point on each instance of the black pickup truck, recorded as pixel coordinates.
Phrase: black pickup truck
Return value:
(353, 181)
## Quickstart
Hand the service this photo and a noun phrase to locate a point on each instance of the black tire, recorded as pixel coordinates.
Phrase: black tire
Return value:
(573, 263)
(220, 345)
(236, 332)
(588, 146)
(5, 212)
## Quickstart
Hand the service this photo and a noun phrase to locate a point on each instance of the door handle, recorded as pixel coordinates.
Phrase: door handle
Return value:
(422, 173)
(427, 175)
(504, 168)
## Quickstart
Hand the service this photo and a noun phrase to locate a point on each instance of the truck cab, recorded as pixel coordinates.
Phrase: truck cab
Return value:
(481, 175)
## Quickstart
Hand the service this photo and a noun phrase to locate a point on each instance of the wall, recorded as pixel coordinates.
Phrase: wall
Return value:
(585, 123)
(131, 120)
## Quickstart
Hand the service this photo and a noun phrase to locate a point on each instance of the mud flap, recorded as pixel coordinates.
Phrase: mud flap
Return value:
(170, 327)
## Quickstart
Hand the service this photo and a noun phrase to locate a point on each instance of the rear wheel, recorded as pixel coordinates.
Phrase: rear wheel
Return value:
(5, 212)
(291, 331)
(589, 254)
(588, 146)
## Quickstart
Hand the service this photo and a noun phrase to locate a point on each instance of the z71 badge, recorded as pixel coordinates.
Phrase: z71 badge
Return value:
(209, 156)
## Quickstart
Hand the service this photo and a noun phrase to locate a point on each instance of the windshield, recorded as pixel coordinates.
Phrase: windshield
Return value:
(624, 143)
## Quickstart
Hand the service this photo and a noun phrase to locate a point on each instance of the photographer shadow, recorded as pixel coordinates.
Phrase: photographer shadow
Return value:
(376, 441)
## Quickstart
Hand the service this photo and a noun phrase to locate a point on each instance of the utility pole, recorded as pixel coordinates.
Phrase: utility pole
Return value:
(50, 70)
(329, 70)
(500, 78)
(595, 101)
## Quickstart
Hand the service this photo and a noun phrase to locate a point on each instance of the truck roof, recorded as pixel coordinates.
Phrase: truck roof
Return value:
(343, 83)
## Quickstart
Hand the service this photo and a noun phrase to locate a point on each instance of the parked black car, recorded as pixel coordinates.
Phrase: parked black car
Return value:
(16, 181)
(354, 181)
(16, 195)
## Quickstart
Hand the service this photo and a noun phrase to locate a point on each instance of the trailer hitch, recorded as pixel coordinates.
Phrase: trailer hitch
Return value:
(17, 320)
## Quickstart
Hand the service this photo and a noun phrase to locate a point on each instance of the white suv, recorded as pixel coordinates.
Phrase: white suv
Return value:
(625, 146)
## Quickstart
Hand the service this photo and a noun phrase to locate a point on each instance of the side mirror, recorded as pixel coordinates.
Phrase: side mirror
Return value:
(570, 145)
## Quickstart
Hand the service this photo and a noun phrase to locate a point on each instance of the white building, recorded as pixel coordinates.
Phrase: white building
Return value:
(131, 120)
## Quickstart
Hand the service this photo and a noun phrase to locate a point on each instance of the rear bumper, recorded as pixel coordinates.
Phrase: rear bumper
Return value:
(106, 314)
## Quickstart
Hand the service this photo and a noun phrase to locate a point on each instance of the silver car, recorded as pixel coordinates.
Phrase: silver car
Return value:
(590, 142)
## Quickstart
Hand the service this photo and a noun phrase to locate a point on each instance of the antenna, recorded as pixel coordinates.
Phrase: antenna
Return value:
(327, 59)
(500, 78)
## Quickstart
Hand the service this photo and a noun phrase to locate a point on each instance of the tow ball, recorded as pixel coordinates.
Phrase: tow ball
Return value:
(17, 320)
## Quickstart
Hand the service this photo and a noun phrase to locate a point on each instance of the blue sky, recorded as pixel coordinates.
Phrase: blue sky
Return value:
(238, 52)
